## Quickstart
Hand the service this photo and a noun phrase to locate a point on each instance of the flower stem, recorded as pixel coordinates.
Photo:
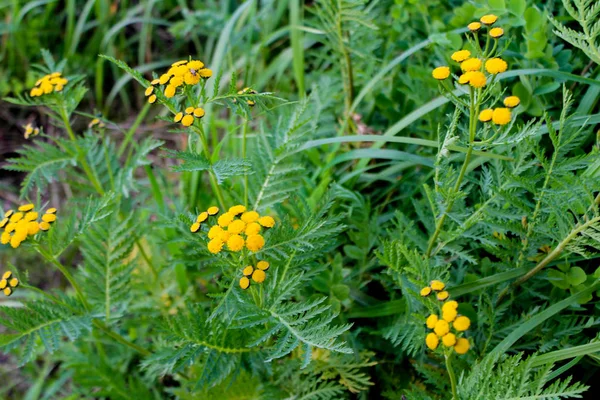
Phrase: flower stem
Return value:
(451, 375)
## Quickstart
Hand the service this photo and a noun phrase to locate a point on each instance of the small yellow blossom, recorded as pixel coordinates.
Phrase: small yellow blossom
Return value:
(178, 117)
(195, 227)
(202, 217)
(215, 231)
(7, 285)
(244, 282)
(462, 346)
(237, 226)
(437, 285)
(461, 55)
(259, 276)
(30, 131)
(26, 207)
(250, 216)
(267, 221)
(501, 116)
(252, 228)
(264, 265)
(486, 115)
(235, 243)
(215, 245)
(441, 73)
(441, 327)
(152, 99)
(426, 291)
(462, 323)
(512, 101)
(450, 305)
(449, 339)
(449, 315)
(495, 66)
(254, 242)
(477, 79)
(170, 91)
(212, 210)
(441, 296)
(489, 19)
(49, 217)
(225, 219)
(496, 32)
(432, 341)
(248, 270)
(187, 120)
(50, 83)
(51, 211)
(465, 78)
(471, 64)
(235, 210)
(474, 26)
(431, 321)
(44, 225)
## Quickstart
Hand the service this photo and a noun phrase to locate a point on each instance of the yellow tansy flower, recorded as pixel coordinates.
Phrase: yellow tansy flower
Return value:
(441, 327)
(512, 101)
(437, 285)
(187, 120)
(195, 227)
(501, 116)
(450, 314)
(426, 291)
(244, 282)
(462, 346)
(495, 66)
(225, 219)
(489, 19)
(235, 243)
(461, 55)
(474, 26)
(496, 32)
(464, 78)
(431, 321)
(26, 207)
(450, 305)
(259, 276)
(214, 232)
(254, 242)
(212, 210)
(203, 216)
(462, 323)
(235, 210)
(441, 73)
(250, 216)
(237, 226)
(170, 91)
(264, 265)
(432, 341)
(486, 115)
(441, 296)
(471, 64)
(267, 221)
(449, 339)
(248, 270)
(178, 117)
(477, 79)
(215, 245)
(252, 228)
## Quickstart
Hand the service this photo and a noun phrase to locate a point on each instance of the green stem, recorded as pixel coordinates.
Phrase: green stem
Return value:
(131, 131)
(244, 157)
(98, 324)
(213, 179)
(451, 375)
(473, 111)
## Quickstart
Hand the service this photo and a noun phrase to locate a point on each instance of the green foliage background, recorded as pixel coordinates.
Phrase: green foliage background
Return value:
(352, 149)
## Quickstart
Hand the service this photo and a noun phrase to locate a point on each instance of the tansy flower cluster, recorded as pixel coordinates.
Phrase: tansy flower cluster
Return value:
(500, 115)
(8, 283)
(446, 325)
(257, 274)
(182, 73)
(188, 118)
(471, 67)
(53, 82)
(30, 130)
(18, 226)
(236, 228)
(250, 102)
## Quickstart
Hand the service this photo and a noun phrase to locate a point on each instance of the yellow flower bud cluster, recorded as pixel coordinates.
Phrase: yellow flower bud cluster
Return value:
(18, 226)
(257, 274)
(30, 130)
(8, 283)
(180, 74)
(53, 82)
(250, 102)
(448, 327)
(500, 115)
(237, 228)
(471, 67)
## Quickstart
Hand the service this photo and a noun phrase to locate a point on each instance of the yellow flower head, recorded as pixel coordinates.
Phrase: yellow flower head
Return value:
(449, 339)
(53, 82)
(426, 291)
(471, 64)
(431, 321)
(248, 270)
(489, 19)
(235, 210)
(203, 216)
(501, 116)
(225, 219)
(214, 232)
(212, 210)
(237, 226)
(495, 66)
(441, 73)
(255, 242)
(264, 265)
(252, 228)
(195, 227)
(244, 282)
(449, 315)
(437, 285)
(496, 32)
(7, 285)
(235, 243)
(258, 276)
(477, 79)
(441, 296)
(461, 55)
(215, 245)
(170, 91)
(267, 221)
(465, 78)
(474, 26)
(462, 323)
(432, 341)
(486, 115)
(441, 327)
(250, 216)
(30, 131)
(512, 101)
(450, 305)
(462, 346)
